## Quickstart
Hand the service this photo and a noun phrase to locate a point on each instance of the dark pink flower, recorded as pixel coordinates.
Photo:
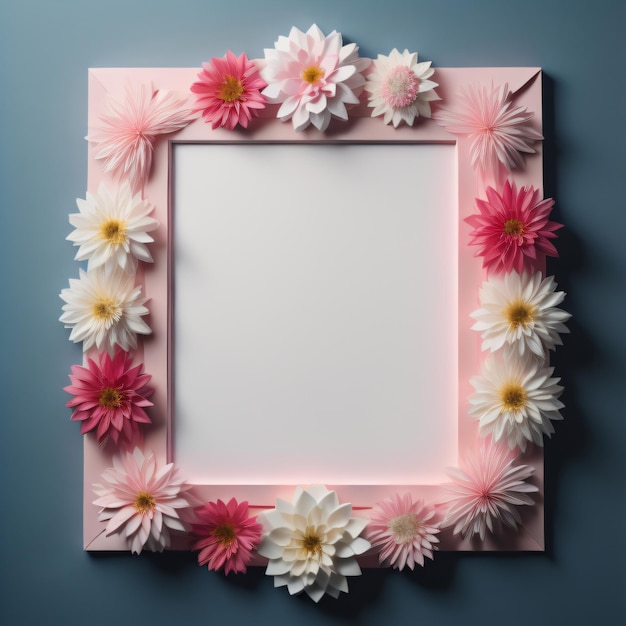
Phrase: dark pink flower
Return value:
(110, 397)
(512, 228)
(227, 535)
(229, 91)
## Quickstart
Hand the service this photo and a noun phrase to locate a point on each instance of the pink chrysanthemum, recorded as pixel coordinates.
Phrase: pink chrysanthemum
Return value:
(512, 227)
(487, 492)
(110, 397)
(229, 91)
(143, 501)
(227, 535)
(129, 130)
(500, 132)
(402, 531)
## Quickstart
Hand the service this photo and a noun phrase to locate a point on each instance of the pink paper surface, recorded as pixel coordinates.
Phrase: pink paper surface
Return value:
(156, 348)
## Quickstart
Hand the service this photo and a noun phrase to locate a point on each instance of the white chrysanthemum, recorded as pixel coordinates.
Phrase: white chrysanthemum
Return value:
(112, 227)
(311, 543)
(520, 311)
(104, 309)
(313, 77)
(516, 399)
(399, 87)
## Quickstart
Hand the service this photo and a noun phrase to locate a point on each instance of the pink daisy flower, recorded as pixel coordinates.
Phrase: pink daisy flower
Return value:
(143, 502)
(487, 492)
(227, 535)
(110, 397)
(512, 227)
(500, 132)
(129, 130)
(402, 531)
(229, 91)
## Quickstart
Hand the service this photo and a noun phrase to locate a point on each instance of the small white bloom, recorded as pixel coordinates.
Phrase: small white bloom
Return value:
(516, 399)
(112, 227)
(312, 542)
(104, 309)
(520, 311)
(399, 87)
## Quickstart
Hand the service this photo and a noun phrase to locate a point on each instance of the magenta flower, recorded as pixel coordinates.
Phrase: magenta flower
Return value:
(402, 531)
(144, 502)
(227, 535)
(110, 397)
(130, 129)
(512, 228)
(229, 91)
(487, 491)
(500, 133)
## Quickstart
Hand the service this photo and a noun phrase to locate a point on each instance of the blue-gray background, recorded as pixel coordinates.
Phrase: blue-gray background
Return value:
(46, 47)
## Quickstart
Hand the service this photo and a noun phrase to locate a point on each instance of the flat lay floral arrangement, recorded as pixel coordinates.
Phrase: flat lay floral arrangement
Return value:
(311, 543)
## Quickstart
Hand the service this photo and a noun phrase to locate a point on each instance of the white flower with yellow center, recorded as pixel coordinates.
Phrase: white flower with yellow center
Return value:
(104, 309)
(112, 228)
(516, 399)
(520, 311)
(399, 87)
(312, 542)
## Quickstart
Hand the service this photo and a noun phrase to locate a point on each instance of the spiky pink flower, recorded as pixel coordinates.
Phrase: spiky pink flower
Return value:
(144, 502)
(110, 397)
(402, 531)
(487, 491)
(227, 535)
(130, 128)
(229, 91)
(511, 228)
(500, 132)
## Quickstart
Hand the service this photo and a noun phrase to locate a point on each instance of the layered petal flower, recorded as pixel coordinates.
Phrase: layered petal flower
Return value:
(226, 535)
(110, 397)
(228, 91)
(104, 309)
(402, 531)
(313, 77)
(144, 502)
(399, 87)
(512, 228)
(112, 228)
(499, 131)
(129, 130)
(486, 492)
(519, 311)
(516, 400)
(312, 542)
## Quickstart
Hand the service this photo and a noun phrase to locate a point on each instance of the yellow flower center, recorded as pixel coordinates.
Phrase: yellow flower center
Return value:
(113, 231)
(231, 89)
(520, 313)
(144, 502)
(405, 527)
(513, 228)
(225, 534)
(312, 74)
(513, 397)
(110, 398)
(312, 543)
(106, 309)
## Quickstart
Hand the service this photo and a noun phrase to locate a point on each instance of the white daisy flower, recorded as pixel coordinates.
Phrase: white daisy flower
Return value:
(516, 399)
(104, 309)
(112, 227)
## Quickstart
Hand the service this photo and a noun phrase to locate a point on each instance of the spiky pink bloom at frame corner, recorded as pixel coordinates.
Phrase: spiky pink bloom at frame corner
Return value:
(402, 531)
(500, 132)
(130, 128)
(227, 535)
(110, 397)
(513, 229)
(487, 491)
(144, 502)
(228, 91)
